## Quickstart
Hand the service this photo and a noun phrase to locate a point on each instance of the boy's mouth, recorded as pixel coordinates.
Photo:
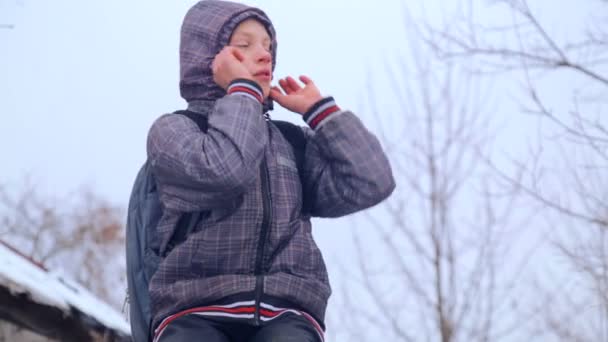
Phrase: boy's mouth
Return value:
(264, 75)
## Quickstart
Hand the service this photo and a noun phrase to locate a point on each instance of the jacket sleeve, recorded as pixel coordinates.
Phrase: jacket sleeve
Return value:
(345, 168)
(197, 171)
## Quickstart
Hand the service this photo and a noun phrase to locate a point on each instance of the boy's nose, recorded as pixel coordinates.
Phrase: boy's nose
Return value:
(264, 56)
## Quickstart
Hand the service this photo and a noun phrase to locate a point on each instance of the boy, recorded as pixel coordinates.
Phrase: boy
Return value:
(250, 271)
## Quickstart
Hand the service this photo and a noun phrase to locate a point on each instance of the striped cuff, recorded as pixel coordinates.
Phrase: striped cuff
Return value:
(246, 87)
(320, 112)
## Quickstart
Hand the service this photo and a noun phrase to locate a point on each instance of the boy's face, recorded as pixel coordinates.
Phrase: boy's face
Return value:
(253, 41)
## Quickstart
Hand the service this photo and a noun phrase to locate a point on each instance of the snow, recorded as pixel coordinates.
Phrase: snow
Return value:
(21, 276)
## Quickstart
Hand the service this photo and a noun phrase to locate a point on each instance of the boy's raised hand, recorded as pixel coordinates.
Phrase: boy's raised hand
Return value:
(294, 97)
(228, 65)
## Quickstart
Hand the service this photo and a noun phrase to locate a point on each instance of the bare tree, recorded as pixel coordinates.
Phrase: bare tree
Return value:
(81, 234)
(568, 176)
(437, 262)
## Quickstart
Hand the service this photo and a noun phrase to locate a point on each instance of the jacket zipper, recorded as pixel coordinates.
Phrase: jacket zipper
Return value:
(266, 216)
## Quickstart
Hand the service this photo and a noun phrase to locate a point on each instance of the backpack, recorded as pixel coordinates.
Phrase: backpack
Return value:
(143, 242)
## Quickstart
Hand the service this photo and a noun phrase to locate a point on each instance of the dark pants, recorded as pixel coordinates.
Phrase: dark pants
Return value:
(193, 328)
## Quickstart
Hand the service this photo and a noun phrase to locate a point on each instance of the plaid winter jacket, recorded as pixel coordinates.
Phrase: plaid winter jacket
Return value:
(254, 241)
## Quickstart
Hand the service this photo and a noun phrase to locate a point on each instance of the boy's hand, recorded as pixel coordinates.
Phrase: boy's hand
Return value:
(296, 98)
(227, 66)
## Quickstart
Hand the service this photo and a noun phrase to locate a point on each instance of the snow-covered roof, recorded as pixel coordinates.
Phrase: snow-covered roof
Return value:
(21, 276)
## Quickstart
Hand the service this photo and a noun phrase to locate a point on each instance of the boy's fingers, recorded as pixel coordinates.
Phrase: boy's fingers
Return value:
(276, 94)
(305, 79)
(276, 90)
(283, 84)
(237, 54)
(286, 86)
(293, 83)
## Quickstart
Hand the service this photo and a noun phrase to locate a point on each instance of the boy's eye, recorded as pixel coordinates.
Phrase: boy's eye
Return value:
(244, 45)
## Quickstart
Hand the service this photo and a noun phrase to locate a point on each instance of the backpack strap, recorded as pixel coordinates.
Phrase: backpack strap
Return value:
(200, 119)
(185, 225)
(188, 221)
(296, 138)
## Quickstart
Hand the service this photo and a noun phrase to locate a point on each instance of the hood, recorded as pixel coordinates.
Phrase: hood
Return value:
(206, 29)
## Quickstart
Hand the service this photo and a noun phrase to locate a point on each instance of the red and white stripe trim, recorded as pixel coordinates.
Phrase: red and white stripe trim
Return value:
(320, 112)
(270, 312)
(240, 310)
(246, 87)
